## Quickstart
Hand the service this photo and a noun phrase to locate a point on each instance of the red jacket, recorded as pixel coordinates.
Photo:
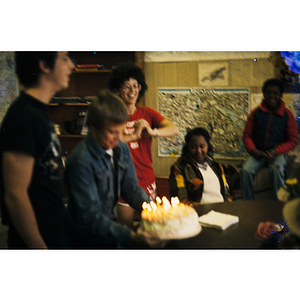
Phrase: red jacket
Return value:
(265, 131)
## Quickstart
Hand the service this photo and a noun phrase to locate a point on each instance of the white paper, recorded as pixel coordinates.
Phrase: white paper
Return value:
(218, 220)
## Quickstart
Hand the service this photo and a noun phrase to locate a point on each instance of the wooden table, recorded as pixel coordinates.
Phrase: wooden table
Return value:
(238, 236)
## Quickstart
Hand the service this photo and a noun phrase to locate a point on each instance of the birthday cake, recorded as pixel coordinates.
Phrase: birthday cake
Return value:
(167, 220)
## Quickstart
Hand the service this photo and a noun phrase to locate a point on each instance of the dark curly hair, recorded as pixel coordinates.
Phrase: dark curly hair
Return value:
(123, 72)
(273, 82)
(196, 132)
(28, 68)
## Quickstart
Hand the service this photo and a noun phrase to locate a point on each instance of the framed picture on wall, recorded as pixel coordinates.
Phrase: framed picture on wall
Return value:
(222, 111)
(213, 74)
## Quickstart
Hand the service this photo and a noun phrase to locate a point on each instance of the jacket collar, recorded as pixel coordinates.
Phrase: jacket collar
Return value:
(279, 110)
(188, 158)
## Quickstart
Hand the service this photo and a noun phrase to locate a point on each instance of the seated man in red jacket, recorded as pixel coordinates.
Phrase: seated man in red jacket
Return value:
(270, 132)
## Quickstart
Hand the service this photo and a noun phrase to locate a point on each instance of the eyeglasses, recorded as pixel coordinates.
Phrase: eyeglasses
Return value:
(135, 87)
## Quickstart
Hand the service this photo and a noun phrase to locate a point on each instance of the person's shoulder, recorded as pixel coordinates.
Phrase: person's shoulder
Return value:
(259, 108)
(215, 164)
(124, 151)
(123, 146)
(18, 106)
(182, 162)
(79, 154)
(289, 112)
(176, 162)
(28, 108)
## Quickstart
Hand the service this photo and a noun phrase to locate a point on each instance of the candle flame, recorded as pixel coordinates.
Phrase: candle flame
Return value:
(166, 203)
(153, 205)
(164, 198)
(160, 206)
(158, 200)
(175, 201)
(149, 207)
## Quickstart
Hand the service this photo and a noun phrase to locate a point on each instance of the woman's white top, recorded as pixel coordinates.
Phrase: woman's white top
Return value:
(211, 184)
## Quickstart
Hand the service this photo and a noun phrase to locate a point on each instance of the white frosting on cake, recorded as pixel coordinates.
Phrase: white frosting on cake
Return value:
(176, 222)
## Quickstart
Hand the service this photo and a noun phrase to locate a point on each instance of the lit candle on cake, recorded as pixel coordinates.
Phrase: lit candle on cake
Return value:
(158, 201)
(175, 201)
(166, 203)
(145, 212)
(169, 219)
(153, 205)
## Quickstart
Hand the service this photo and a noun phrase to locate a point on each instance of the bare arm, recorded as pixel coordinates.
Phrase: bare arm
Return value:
(17, 172)
(164, 129)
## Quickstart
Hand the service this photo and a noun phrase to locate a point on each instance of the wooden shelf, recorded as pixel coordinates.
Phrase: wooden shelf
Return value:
(84, 83)
(71, 136)
(90, 71)
(70, 104)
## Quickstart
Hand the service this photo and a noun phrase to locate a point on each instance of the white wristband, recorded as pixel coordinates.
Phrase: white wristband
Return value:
(156, 130)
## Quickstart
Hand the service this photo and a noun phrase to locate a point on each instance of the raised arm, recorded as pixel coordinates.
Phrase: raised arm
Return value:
(166, 128)
(17, 173)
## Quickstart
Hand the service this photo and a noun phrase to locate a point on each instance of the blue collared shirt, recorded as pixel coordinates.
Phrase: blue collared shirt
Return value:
(94, 190)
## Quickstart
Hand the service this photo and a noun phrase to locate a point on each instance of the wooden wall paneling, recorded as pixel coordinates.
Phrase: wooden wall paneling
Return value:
(139, 61)
(262, 71)
(166, 75)
(160, 75)
(249, 73)
(187, 74)
(241, 73)
(150, 94)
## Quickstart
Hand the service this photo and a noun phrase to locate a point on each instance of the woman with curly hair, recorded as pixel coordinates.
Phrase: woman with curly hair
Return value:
(128, 82)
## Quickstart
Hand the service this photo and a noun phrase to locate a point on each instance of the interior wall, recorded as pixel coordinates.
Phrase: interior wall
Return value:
(180, 69)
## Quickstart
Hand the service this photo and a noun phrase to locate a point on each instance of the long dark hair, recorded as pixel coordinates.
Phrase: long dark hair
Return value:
(196, 132)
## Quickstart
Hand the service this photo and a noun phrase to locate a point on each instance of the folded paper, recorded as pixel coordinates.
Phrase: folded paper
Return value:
(218, 220)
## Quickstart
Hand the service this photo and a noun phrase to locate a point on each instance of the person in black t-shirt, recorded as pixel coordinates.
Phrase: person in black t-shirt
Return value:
(31, 166)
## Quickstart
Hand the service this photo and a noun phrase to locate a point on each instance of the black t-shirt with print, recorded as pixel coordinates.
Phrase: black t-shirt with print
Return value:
(27, 127)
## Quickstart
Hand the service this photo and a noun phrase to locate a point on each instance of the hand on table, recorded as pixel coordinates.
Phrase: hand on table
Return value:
(264, 229)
